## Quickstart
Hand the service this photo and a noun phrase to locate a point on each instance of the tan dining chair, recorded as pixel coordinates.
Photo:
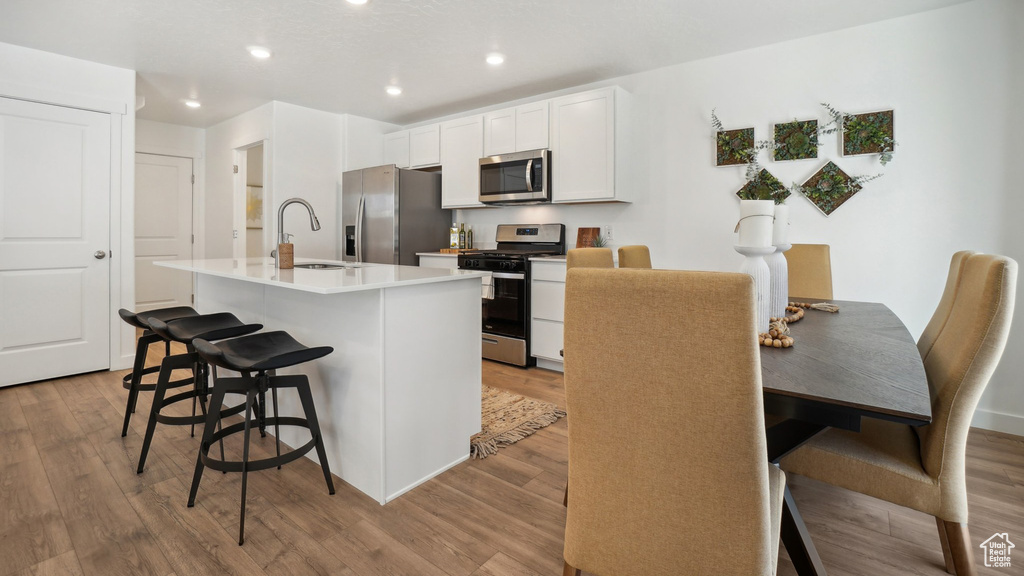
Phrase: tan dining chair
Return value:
(810, 271)
(924, 468)
(589, 258)
(941, 314)
(637, 256)
(667, 449)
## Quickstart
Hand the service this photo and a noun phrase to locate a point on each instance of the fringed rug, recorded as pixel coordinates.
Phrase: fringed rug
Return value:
(508, 418)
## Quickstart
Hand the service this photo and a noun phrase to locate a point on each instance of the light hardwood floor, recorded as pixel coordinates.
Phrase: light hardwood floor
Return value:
(71, 503)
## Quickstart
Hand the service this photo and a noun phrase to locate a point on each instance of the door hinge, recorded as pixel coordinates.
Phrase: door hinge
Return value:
(193, 298)
(193, 178)
(193, 238)
(236, 168)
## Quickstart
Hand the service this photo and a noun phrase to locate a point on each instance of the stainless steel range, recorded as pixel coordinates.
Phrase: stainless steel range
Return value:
(506, 302)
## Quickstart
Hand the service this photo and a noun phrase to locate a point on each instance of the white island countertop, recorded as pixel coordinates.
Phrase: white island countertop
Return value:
(353, 278)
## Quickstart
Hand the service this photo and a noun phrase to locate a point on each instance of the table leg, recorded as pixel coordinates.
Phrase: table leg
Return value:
(797, 541)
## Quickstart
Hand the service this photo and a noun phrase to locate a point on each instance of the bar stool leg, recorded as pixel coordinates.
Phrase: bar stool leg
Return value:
(212, 422)
(141, 349)
(314, 426)
(167, 366)
(277, 427)
(245, 462)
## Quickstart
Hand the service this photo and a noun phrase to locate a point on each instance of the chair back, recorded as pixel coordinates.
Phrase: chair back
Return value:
(667, 452)
(638, 256)
(963, 358)
(810, 271)
(589, 258)
(941, 314)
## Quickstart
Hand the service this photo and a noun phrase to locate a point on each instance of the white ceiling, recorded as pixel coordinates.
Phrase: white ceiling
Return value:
(333, 56)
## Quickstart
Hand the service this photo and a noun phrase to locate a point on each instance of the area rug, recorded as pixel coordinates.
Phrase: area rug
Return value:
(508, 418)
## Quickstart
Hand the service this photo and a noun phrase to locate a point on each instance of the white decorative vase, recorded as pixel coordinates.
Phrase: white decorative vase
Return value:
(754, 264)
(779, 270)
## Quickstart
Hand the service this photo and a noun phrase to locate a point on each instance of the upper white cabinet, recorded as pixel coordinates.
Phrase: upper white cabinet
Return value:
(396, 149)
(462, 145)
(588, 151)
(425, 146)
(516, 129)
(416, 148)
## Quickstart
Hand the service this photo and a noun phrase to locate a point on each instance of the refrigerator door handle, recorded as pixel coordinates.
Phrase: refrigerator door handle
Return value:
(359, 228)
(529, 175)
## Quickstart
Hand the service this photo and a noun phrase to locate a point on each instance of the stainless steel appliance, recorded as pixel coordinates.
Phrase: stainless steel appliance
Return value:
(389, 214)
(516, 178)
(506, 306)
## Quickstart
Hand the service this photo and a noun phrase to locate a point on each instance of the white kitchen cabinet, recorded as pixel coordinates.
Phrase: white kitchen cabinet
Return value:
(532, 126)
(516, 129)
(396, 149)
(547, 311)
(589, 147)
(425, 146)
(462, 145)
(450, 261)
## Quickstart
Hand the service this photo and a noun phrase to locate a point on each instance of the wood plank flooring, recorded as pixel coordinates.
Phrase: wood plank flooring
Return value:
(71, 502)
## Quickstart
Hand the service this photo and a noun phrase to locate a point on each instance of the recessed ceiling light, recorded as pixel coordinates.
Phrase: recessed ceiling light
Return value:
(394, 90)
(357, 2)
(192, 103)
(495, 59)
(259, 52)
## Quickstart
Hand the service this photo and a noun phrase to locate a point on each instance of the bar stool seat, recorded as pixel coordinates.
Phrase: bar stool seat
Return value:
(133, 380)
(263, 354)
(184, 330)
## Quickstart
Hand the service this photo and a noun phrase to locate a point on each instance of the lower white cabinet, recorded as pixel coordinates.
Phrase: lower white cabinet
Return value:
(439, 261)
(547, 310)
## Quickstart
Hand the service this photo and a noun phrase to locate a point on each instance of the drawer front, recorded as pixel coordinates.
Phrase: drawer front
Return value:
(439, 262)
(552, 271)
(547, 300)
(546, 340)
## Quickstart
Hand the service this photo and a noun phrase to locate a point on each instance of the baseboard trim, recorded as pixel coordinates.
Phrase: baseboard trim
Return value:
(998, 421)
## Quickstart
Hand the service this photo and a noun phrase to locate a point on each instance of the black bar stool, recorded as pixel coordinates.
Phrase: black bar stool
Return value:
(262, 354)
(210, 327)
(133, 380)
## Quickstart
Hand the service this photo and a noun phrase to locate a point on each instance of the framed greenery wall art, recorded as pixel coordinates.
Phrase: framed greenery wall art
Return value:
(796, 140)
(732, 147)
(868, 133)
(763, 186)
(830, 187)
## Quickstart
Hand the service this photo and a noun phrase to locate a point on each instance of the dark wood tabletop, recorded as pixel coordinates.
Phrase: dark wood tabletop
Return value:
(860, 361)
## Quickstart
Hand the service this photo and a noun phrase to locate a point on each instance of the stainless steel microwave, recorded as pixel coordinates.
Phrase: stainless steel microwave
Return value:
(516, 178)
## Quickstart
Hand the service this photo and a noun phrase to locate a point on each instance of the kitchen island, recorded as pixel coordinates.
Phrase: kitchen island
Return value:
(399, 398)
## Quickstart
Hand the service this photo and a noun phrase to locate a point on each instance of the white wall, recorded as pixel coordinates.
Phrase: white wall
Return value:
(50, 78)
(307, 163)
(949, 74)
(222, 140)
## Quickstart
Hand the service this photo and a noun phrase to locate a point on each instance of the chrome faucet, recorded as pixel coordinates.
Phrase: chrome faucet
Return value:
(282, 236)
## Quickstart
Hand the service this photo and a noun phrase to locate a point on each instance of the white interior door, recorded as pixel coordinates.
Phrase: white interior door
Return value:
(163, 230)
(54, 241)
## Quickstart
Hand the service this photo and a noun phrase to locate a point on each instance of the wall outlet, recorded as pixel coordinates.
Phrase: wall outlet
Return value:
(607, 233)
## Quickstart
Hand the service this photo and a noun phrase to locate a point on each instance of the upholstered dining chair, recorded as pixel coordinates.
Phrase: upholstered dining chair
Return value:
(667, 449)
(924, 468)
(810, 271)
(589, 258)
(941, 314)
(637, 256)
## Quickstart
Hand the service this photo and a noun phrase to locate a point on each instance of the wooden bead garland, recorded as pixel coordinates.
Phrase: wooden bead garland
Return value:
(778, 331)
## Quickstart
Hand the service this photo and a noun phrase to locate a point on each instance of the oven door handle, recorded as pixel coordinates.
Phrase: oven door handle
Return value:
(529, 175)
(508, 276)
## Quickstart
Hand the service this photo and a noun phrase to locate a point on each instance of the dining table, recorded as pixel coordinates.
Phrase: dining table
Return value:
(860, 362)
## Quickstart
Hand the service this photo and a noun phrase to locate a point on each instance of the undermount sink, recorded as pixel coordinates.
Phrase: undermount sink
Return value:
(326, 266)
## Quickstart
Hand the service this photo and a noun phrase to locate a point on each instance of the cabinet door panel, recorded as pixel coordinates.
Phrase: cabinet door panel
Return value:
(396, 149)
(546, 341)
(583, 137)
(548, 300)
(500, 132)
(462, 146)
(532, 126)
(425, 146)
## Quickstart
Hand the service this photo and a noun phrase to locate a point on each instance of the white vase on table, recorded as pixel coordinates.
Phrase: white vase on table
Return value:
(754, 264)
(778, 268)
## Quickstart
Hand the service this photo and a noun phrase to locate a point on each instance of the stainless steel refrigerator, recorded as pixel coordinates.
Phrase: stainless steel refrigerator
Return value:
(389, 214)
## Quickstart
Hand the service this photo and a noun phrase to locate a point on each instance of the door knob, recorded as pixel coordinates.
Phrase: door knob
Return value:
(99, 254)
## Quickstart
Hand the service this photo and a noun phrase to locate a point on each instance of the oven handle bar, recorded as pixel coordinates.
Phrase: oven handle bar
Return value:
(508, 276)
